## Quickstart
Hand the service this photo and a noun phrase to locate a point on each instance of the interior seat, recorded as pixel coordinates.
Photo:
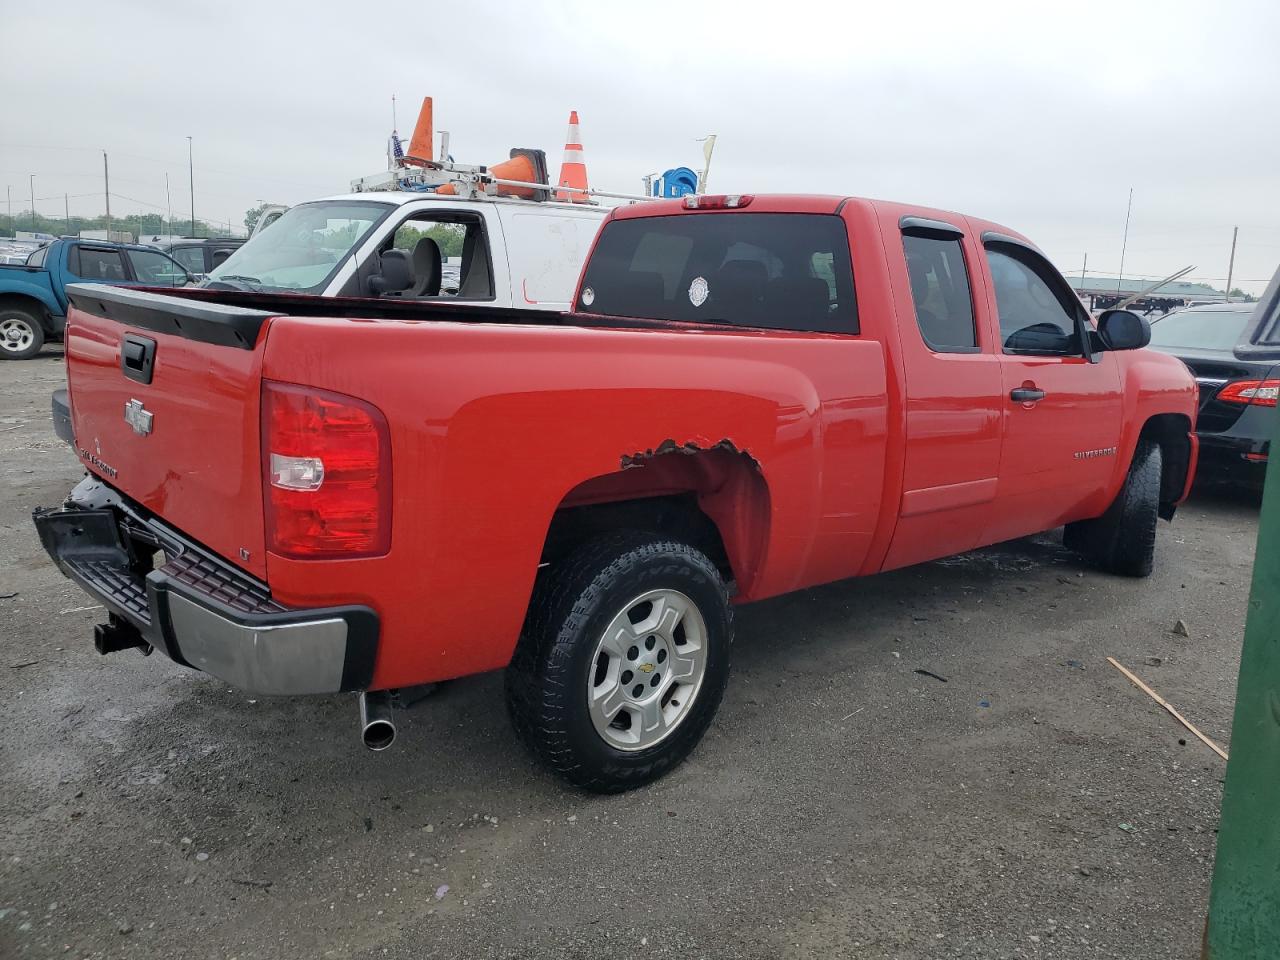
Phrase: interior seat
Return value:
(426, 269)
(918, 271)
(798, 301)
(738, 291)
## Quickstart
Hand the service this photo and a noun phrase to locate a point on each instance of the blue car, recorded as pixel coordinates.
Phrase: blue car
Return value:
(33, 297)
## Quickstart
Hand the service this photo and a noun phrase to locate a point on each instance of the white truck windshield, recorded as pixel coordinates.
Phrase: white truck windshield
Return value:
(302, 250)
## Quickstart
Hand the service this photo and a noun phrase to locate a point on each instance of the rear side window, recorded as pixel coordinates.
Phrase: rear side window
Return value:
(940, 292)
(99, 264)
(785, 271)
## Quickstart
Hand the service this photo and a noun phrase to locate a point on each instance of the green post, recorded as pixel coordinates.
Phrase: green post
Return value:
(1244, 908)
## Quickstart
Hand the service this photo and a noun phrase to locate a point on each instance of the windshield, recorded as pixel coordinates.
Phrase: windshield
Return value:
(1200, 329)
(302, 250)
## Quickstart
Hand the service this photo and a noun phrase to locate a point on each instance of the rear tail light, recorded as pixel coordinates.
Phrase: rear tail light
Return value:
(1262, 393)
(327, 464)
(724, 201)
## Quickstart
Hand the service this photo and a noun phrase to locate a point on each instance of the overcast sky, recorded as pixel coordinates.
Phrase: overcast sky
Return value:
(1037, 115)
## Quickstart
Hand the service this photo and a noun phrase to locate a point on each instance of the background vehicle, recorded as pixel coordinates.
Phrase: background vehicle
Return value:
(198, 255)
(1237, 397)
(33, 299)
(307, 495)
(270, 214)
(509, 252)
(18, 249)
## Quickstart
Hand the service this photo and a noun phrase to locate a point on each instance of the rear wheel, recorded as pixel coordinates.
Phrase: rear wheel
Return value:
(1123, 540)
(21, 335)
(623, 661)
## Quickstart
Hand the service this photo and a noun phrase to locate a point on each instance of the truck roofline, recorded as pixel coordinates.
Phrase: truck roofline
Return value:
(822, 204)
(401, 197)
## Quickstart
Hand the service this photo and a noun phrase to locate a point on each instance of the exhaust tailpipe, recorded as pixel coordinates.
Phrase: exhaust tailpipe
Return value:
(377, 729)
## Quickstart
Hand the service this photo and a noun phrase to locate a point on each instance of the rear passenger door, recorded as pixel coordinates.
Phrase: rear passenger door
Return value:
(97, 264)
(953, 383)
(1061, 402)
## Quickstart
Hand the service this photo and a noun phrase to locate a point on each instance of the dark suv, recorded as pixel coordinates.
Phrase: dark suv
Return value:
(198, 255)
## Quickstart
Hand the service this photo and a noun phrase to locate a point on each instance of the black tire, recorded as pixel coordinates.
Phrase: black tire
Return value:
(1123, 540)
(573, 602)
(24, 324)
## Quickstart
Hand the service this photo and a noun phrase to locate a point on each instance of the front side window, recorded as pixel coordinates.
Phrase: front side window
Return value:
(303, 250)
(447, 255)
(1036, 317)
(190, 257)
(785, 271)
(97, 264)
(155, 269)
(940, 292)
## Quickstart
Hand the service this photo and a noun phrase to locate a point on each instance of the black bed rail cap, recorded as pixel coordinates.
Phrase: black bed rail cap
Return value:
(200, 320)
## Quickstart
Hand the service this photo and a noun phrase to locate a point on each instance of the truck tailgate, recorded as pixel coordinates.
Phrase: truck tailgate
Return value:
(182, 437)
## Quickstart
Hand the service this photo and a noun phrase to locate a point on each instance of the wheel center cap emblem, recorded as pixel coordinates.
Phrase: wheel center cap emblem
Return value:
(646, 668)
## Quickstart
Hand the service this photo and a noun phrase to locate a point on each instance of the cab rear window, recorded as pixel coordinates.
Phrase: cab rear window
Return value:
(788, 271)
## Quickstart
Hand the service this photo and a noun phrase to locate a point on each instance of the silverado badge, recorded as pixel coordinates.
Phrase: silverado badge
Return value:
(138, 417)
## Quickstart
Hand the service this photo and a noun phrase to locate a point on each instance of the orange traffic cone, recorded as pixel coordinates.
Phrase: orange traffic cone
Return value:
(573, 171)
(526, 166)
(422, 144)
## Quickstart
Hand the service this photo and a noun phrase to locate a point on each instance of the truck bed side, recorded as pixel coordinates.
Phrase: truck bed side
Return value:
(494, 427)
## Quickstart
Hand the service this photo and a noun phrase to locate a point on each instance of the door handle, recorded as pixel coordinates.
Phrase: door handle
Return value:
(137, 357)
(1026, 394)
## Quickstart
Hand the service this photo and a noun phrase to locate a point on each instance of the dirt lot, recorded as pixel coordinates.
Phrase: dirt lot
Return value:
(843, 805)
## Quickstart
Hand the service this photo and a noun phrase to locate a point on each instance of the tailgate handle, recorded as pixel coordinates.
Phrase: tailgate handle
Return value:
(137, 357)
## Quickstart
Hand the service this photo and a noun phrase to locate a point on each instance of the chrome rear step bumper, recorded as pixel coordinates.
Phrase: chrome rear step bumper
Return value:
(198, 609)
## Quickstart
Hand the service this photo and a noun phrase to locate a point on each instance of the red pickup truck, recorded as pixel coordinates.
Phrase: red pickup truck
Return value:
(752, 395)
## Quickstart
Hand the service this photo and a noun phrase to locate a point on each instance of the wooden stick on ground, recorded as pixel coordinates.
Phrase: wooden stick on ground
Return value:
(1160, 700)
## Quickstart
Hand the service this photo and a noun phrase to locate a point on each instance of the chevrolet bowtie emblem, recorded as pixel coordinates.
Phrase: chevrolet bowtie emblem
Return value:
(645, 668)
(138, 417)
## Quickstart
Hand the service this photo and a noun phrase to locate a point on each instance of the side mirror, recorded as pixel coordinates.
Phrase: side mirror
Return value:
(1123, 330)
(396, 275)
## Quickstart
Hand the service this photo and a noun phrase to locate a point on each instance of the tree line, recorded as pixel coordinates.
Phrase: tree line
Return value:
(139, 224)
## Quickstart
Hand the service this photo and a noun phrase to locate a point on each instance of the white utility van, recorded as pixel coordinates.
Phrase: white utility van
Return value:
(419, 245)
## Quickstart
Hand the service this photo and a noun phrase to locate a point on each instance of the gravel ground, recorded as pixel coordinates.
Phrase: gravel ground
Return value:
(1034, 804)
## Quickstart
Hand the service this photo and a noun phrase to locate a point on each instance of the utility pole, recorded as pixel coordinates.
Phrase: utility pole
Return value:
(33, 203)
(1231, 266)
(106, 191)
(8, 193)
(66, 208)
(1125, 245)
(191, 177)
(167, 201)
